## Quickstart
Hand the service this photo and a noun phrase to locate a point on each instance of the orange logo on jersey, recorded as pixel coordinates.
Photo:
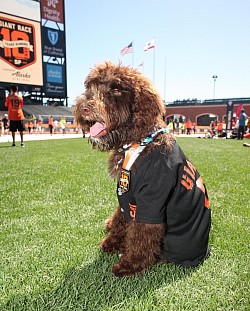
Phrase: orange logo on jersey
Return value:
(124, 181)
(132, 212)
(188, 177)
(188, 181)
(200, 184)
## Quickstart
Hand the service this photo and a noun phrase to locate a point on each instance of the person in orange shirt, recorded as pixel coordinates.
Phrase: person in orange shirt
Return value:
(14, 103)
(30, 126)
(220, 129)
(51, 123)
(188, 126)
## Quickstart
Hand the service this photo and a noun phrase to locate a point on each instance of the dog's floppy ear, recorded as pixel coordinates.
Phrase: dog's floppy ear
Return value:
(80, 101)
(148, 104)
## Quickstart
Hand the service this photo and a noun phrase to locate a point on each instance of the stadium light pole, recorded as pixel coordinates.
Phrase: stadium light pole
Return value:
(214, 77)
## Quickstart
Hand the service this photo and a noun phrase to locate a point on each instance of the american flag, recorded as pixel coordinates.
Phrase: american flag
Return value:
(127, 49)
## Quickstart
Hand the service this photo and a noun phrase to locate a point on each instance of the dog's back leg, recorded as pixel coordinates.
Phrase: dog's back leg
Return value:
(142, 247)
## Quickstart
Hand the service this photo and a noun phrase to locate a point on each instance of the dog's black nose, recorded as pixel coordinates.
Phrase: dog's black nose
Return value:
(85, 110)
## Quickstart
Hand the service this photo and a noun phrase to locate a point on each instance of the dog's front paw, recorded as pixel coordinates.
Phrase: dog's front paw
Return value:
(125, 268)
(108, 224)
(109, 245)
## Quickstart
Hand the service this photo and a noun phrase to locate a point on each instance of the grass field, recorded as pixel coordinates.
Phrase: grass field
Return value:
(55, 196)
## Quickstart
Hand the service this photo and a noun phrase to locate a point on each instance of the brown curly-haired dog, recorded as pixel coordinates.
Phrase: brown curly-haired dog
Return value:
(163, 211)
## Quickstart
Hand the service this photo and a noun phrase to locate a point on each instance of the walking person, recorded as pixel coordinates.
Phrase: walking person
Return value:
(242, 124)
(188, 126)
(14, 103)
(51, 123)
(183, 127)
(39, 127)
(63, 125)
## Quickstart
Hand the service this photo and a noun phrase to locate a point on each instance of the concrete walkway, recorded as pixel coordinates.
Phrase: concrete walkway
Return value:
(29, 137)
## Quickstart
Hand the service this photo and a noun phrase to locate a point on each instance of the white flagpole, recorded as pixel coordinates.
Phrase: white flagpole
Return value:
(154, 63)
(165, 80)
(133, 54)
(141, 65)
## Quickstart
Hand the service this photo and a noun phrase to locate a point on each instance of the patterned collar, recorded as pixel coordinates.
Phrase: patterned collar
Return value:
(150, 138)
(132, 151)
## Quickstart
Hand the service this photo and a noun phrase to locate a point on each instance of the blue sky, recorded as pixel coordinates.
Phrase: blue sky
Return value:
(194, 40)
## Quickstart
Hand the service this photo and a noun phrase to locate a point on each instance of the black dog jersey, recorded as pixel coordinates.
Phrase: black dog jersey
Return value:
(166, 188)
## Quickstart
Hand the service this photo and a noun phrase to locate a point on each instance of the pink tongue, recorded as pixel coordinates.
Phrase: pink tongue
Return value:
(97, 128)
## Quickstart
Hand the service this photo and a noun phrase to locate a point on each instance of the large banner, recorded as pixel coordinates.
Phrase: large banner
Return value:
(20, 50)
(53, 48)
(32, 45)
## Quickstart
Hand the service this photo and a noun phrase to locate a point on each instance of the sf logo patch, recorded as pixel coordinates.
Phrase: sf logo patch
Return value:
(17, 43)
(124, 181)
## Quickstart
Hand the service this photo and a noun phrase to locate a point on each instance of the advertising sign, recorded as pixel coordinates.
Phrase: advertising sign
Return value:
(20, 51)
(52, 10)
(53, 42)
(25, 8)
(230, 107)
(54, 82)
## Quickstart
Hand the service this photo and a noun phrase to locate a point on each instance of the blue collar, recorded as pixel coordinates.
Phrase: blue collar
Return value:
(153, 136)
(149, 139)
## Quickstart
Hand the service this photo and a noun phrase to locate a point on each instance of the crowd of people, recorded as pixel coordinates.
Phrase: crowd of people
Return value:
(15, 121)
(217, 128)
(37, 126)
(181, 127)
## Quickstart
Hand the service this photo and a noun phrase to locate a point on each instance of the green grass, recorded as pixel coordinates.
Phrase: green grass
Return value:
(54, 198)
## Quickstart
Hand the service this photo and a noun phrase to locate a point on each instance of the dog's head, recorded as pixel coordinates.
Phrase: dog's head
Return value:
(120, 106)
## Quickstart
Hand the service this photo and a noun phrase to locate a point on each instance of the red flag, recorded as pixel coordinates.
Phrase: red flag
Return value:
(239, 108)
(149, 45)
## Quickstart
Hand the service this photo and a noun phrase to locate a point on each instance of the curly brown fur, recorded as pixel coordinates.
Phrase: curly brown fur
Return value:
(116, 227)
(142, 247)
(128, 104)
(126, 101)
(139, 244)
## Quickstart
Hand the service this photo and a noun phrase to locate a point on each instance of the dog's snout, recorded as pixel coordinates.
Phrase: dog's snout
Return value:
(85, 110)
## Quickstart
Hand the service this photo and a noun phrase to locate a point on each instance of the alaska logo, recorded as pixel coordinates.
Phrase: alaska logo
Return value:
(53, 37)
(17, 43)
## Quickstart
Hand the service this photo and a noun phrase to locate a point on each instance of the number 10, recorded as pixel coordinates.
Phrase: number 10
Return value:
(14, 36)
